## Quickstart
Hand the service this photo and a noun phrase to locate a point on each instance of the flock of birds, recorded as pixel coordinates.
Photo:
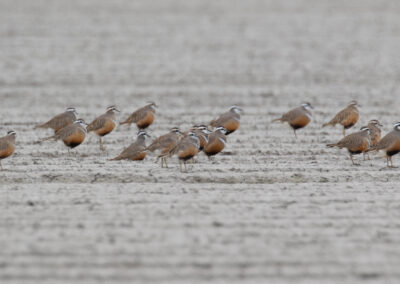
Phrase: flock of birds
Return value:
(186, 145)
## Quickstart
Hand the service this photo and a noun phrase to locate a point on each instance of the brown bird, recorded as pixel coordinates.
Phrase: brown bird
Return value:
(103, 124)
(355, 143)
(230, 120)
(187, 148)
(375, 134)
(136, 151)
(61, 120)
(165, 144)
(389, 145)
(298, 117)
(216, 142)
(202, 133)
(373, 126)
(72, 135)
(346, 117)
(7, 145)
(143, 117)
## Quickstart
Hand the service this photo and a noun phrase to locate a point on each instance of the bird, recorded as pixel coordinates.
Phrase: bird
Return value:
(216, 142)
(143, 117)
(375, 134)
(165, 144)
(202, 133)
(7, 146)
(103, 124)
(230, 120)
(136, 151)
(72, 135)
(373, 126)
(347, 117)
(355, 143)
(61, 120)
(389, 145)
(298, 117)
(186, 149)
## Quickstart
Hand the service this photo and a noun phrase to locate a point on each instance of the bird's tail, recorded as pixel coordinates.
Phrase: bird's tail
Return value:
(332, 145)
(48, 138)
(117, 158)
(40, 126)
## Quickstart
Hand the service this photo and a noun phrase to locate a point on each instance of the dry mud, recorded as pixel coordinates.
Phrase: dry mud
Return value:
(271, 209)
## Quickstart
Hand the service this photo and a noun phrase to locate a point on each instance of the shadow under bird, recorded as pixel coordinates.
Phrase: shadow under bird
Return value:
(72, 135)
(186, 149)
(103, 124)
(230, 120)
(298, 117)
(143, 117)
(389, 145)
(347, 117)
(165, 143)
(136, 151)
(61, 120)
(216, 142)
(355, 143)
(7, 146)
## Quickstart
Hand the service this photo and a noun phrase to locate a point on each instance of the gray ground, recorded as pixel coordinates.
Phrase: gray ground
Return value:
(272, 209)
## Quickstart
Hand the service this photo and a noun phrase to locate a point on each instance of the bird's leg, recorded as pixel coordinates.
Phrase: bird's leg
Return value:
(101, 145)
(295, 135)
(162, 161)
(352, 160)
(180, 165)
(185, 166)
(1, 168)
(165, 161)
(344, 132)
(387, 162)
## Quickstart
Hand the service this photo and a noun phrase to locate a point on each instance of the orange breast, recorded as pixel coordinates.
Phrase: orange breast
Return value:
(187, 153)
(107, 128)
(140, 156)
(214, 148)
(203, 142)
(75, 139)
(146, 121)
(7, 152)
(231, 125)
(395, 147)
(350, 120)
(300, 121)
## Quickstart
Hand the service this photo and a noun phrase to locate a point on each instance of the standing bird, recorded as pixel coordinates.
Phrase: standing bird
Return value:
(216, 142)
(389, 145)
(136, 151)
(355, 143)
(202, 133)
(165, 144)
(7, 145)
(72, 135)
(375, 134)
(186, 149)
(104, 124)
(230, 120)
(143, 117)
(61, 120)
(298, 117)
(373, 126)
(347, 117)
